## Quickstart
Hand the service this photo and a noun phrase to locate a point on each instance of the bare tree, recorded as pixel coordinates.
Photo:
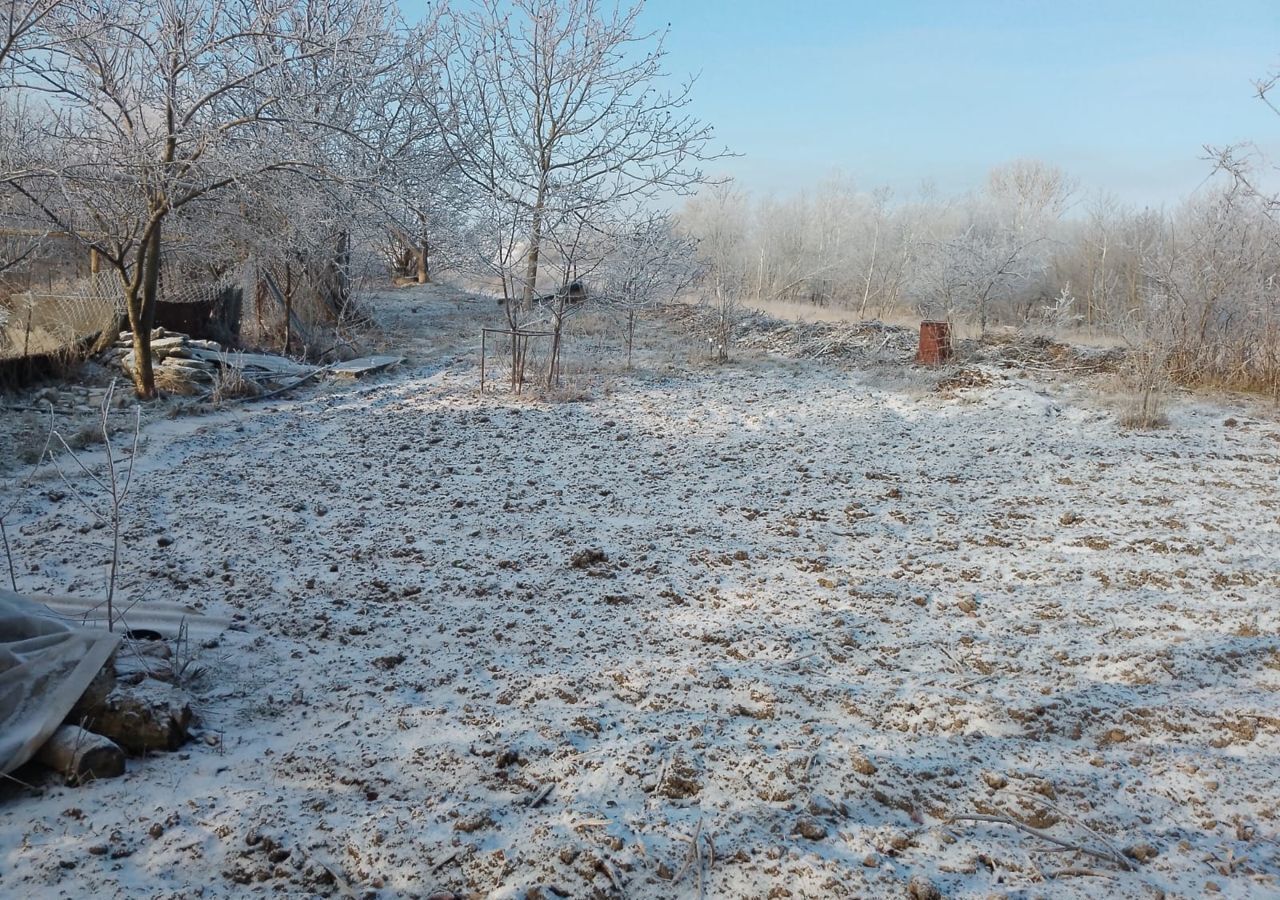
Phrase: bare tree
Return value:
(650, 263)
(718, 217)
(554, 109)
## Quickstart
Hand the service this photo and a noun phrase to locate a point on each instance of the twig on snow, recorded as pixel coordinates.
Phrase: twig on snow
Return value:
(343, 886)
(1105, 855)
(1080, 871)
(545, 791)
(1062, 813)
(444, 862)
(614, 877)
(689, 858)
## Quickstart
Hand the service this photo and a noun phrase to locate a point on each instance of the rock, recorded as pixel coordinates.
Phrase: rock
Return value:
(921, 888)
(187, 365)
(994, 780)
(810, 829)
(680, 781)
(591, 556)
(821, 806)
(1141, 852)
(1114, 736)
(861, 764)
(151, 715)
(96, 693)
(474, 822)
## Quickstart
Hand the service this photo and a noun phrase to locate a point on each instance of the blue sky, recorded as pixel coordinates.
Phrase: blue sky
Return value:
(1121, 95)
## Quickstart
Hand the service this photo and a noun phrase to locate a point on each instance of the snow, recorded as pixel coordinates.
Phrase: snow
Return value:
(830, 599)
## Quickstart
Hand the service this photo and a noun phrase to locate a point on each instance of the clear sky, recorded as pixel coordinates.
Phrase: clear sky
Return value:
(1122, 95)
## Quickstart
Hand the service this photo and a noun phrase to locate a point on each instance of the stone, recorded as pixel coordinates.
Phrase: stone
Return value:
(921, 888)
(473, 823)
(1142, 852)
(151, 715)
(588, 557)
(810, 829)
(994, 780)
(821, 806)
(861, 764)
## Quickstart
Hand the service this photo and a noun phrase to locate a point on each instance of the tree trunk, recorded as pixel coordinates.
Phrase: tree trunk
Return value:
(145, 301)
(631, 333)
(866, 288)
(424, 270)
(553, 366)
(339, 288)
(535, 247)
(288, 309)
(140, 305)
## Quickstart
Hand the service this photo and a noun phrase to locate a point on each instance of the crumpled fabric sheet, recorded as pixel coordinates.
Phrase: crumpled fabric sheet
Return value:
(46, 663)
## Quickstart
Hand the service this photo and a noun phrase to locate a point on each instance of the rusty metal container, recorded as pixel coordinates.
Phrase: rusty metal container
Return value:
(935, 343)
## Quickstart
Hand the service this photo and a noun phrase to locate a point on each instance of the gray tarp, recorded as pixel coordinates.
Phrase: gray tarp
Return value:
(46, 663)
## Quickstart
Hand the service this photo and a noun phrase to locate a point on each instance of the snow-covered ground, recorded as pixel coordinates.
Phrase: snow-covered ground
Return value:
(499, 647)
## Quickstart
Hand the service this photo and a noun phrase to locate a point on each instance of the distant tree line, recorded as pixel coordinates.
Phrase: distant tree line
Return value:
(1030, 249)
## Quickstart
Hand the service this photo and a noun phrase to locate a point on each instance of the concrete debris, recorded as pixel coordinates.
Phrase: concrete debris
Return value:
(188, 365)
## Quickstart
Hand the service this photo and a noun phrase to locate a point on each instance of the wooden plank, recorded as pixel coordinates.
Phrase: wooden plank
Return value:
(276, 365)
(364, 365)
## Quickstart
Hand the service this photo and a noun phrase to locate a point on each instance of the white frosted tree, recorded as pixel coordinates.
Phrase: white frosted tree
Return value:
(153, 107)
(650, 262)
(558, 110)
(718, 217)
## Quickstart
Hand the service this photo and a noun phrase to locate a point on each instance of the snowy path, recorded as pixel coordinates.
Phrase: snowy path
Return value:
(831, 616)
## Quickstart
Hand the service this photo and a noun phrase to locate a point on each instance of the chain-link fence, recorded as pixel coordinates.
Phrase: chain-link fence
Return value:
(42, 322)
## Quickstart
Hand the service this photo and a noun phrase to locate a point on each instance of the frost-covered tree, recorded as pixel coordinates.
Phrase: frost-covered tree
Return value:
(558, 111)
(154, 107)
(650, 262)
(718, 218)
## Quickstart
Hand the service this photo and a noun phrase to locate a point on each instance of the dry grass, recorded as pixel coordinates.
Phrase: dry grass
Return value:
(230, 383)
(1145, 389)
(1082, 335)
(171, 382)
(1243, 363)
